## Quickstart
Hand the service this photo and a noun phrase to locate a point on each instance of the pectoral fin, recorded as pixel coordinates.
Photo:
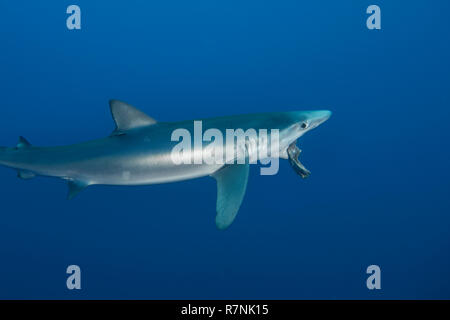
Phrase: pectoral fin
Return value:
(231, 187)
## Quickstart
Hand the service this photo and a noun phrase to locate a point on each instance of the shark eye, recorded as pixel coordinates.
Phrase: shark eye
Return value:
(304, 125)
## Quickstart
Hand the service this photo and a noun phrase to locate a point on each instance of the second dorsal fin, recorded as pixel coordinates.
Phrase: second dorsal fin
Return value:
(128, 117)
(23, 143)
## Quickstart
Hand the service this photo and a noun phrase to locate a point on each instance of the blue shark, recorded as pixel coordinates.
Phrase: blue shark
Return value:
(138, 152)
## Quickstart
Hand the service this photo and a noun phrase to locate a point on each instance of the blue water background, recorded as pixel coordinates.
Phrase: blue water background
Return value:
(379, 189)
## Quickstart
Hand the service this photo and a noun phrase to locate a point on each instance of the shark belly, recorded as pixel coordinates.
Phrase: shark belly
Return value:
(139, 163)
(110, 161)
(143, 171)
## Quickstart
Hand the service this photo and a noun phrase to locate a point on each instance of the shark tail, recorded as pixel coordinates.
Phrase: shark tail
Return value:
(5, 158)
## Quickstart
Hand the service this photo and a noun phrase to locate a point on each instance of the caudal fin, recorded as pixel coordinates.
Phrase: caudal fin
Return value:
(6, 156)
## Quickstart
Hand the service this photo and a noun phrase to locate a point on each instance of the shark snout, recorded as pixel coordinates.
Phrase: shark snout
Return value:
(316, 118)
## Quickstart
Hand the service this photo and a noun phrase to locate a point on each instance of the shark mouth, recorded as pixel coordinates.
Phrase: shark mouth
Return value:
(294, 153)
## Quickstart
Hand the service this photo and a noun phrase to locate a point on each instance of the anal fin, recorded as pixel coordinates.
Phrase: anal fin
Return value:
(25, 175)
(75, 187)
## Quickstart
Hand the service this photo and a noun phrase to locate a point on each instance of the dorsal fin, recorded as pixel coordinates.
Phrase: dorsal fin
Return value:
(23, 143)
(128, 117)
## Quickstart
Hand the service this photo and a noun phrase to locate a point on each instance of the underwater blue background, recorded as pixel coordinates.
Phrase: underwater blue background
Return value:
(379, 189)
